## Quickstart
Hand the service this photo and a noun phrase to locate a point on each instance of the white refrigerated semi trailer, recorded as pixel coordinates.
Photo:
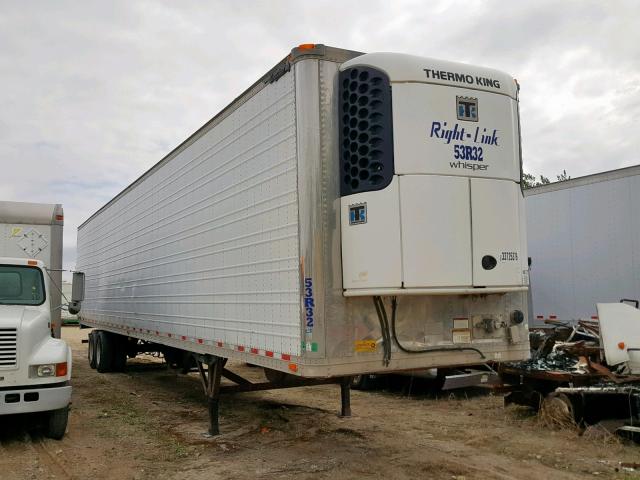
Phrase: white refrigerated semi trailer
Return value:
(584, 242)
(346, 214)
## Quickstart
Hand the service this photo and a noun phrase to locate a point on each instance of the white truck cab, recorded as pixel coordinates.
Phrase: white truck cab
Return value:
(35, 368)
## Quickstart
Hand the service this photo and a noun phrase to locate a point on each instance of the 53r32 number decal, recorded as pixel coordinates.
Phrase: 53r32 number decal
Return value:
(465, 152)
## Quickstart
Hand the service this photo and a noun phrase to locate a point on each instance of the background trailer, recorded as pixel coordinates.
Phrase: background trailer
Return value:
(34, 230)
(584, 243)
(346, 214)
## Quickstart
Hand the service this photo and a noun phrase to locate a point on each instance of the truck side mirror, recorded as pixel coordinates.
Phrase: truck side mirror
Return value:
(77, 290)
(77, 293)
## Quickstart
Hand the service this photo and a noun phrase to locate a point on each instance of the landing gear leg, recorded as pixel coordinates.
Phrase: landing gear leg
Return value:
(210, 378)
(345, 397)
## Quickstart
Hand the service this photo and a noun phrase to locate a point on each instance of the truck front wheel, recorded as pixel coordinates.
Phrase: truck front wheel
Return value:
(56, 425)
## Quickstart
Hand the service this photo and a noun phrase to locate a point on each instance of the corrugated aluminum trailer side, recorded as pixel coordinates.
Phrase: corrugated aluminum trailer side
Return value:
(203, 251)
(584, 242)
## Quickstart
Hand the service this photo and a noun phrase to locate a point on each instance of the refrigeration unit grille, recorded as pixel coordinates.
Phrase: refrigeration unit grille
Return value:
(366, 130)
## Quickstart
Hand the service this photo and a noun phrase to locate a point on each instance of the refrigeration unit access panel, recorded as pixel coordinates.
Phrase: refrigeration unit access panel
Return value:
(430, 177)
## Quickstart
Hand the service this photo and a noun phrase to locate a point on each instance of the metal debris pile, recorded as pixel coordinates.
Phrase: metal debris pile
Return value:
(566, 348)
(556, 360)
(568, 374)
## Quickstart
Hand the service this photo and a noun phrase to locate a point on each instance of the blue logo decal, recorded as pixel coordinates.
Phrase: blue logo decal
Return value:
(358, 213)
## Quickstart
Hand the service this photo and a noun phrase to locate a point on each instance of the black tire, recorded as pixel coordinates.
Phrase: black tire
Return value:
(56, 425)
(187, 363)
(104, 352)
(363, 382)
(131, 347)
(276, 376)
(119, 353)
(91, 350)
(558, 410)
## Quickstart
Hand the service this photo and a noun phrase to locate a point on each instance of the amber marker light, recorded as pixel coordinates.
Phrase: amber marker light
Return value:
(61, 369)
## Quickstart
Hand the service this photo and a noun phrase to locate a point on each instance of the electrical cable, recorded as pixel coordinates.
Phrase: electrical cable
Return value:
(394, 307)
(384, 330)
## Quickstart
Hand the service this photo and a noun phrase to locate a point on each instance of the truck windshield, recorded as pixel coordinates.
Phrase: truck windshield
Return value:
(21, 285)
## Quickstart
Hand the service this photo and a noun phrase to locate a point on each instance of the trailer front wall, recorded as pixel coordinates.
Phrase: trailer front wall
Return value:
(205, 245)
(344, 334)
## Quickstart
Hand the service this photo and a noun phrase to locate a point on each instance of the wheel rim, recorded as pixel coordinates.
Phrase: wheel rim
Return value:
(91, 347)
(98, 351)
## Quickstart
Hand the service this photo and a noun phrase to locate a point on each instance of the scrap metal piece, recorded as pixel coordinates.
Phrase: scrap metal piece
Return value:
(471, 379)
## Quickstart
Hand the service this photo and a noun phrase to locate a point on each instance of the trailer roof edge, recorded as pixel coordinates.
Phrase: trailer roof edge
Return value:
(297, 54)
(586, 180)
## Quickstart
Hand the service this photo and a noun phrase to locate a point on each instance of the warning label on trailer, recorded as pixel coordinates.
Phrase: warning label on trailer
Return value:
(365, 345)
(461, 335)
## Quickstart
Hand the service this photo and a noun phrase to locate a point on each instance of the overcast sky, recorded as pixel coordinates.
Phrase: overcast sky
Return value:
(95, 92)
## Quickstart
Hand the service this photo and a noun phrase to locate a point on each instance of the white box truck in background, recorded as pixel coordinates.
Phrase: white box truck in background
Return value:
(584, 242)
(346, 214)
(35, 365)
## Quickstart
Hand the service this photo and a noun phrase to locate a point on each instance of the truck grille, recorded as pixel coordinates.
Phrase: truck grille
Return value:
(8, 347)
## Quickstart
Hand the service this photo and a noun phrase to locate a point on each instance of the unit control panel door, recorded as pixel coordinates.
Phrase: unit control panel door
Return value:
(497, 256)
(436, 231)
(371, 239)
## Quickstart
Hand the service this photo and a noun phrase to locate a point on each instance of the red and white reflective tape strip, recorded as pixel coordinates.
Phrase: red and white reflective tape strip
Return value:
(239, 348)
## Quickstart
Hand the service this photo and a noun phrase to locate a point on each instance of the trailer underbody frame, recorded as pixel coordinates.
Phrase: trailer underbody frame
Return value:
(212, 369)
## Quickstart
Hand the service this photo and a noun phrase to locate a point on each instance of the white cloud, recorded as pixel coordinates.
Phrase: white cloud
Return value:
(94, 93)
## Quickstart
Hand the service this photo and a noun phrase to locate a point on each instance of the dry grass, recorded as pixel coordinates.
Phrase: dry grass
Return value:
(600, 435)
(555, 413)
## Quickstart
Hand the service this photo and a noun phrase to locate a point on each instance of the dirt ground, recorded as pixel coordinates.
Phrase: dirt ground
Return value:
(149, 423)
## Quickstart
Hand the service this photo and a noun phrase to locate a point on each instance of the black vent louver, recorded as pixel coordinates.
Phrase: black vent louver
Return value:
(366, 130)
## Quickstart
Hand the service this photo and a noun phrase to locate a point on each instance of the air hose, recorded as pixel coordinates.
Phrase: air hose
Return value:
(386, 336)
(384, 330)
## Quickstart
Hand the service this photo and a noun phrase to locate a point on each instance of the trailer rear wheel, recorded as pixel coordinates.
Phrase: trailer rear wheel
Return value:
(119, 352)
(363, 382)
(276, 376)
(104, 351)
(91, 350)
(56, 425)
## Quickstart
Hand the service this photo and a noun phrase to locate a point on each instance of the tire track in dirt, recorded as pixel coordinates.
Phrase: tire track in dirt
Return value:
(27, 455)
(48, 458)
